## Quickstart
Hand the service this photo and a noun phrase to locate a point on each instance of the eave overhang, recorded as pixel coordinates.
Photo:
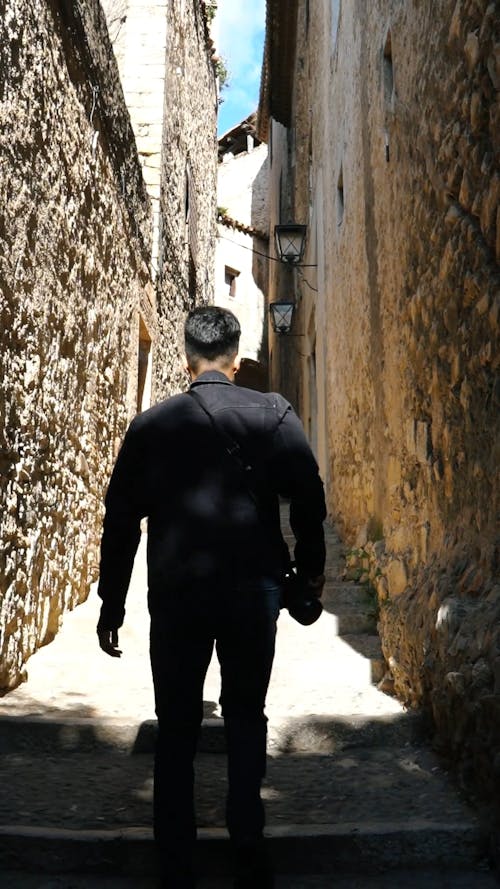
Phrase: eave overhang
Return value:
(278, 65)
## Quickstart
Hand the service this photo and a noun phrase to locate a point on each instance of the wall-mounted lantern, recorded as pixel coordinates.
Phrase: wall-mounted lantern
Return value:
(290, 242)
(282, 316)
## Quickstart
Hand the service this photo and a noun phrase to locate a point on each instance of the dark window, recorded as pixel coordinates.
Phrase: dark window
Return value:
(230, 276)
(192, 280)
(340, 198)
(388, 69)
(187, 195)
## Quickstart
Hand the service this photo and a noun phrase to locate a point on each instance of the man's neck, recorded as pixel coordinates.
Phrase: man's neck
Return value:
(210, 366)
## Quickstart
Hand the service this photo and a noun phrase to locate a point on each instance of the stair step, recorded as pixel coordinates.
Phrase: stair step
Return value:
(312, 733)
(357, 785)
(328, 734)
(19, 734)
(347, 593)
(437, 878)
(295, 849)
(352, 621)
(364, 660)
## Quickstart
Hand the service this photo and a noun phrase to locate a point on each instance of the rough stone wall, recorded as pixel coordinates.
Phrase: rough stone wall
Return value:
(188, 194)
(401, 185)
(74, 247)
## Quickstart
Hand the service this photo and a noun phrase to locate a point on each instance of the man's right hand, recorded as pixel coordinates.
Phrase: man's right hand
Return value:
(108, 641)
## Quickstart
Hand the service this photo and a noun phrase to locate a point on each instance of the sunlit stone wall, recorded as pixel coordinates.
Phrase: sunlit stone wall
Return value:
(74, 250)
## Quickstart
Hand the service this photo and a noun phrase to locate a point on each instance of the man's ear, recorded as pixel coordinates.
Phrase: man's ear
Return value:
(237, 363)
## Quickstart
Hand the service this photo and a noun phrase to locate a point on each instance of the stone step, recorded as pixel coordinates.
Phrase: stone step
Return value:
(353, 608)
(351, 620)
(313, 733)
(372, 806)
(328, 734)
(437, 878)
(356, 591)
(315, 849)
(69, 735)
(364, 660)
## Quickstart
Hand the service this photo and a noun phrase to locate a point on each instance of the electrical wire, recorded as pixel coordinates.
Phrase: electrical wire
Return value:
(315, 289)
(266, 256)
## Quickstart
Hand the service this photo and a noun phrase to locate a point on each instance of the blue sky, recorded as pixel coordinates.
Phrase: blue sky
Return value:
(239, 35)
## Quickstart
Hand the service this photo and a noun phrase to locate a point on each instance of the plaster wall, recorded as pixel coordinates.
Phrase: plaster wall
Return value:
(242, 192)
(242, 187)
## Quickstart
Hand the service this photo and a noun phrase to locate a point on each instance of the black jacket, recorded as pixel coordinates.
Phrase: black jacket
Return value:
(203, 524)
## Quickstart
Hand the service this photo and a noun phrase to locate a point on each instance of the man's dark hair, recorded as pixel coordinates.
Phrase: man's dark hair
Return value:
(211, 332)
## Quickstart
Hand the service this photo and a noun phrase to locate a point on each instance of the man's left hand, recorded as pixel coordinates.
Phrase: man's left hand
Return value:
(108, 641)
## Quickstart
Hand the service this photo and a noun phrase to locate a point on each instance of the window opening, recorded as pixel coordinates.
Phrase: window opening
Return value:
(192, 278)
(230, 277)
(340, 198)
(388, 69)
(187, 195)
(335, 22)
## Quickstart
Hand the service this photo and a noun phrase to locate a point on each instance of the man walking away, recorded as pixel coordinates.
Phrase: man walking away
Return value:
(207, 468)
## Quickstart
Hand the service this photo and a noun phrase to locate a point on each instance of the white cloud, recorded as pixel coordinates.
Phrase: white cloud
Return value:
(240, 23)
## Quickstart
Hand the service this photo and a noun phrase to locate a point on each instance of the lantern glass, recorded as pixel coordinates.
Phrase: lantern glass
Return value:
(281, 316)
(290, 242)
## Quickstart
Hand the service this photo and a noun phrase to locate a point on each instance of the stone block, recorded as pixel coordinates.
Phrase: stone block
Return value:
(467, 193)
(152, 175)
(422, 441)
(397, 578)
(472, 51)
(455, 29)
(493, 66)
(494, 312)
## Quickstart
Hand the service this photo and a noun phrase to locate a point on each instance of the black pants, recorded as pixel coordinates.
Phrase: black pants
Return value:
(242, 623)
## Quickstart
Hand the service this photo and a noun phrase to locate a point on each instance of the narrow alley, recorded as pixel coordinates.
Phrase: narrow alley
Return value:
(326, 174)
(354, 795)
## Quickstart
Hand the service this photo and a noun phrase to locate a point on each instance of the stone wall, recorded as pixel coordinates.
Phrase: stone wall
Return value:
(188, 196)
(138, 33)
(391, 157)
(74, 251)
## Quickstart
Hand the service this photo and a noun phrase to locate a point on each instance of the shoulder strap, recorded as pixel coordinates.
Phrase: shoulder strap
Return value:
(234, 452)
(231, 446)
